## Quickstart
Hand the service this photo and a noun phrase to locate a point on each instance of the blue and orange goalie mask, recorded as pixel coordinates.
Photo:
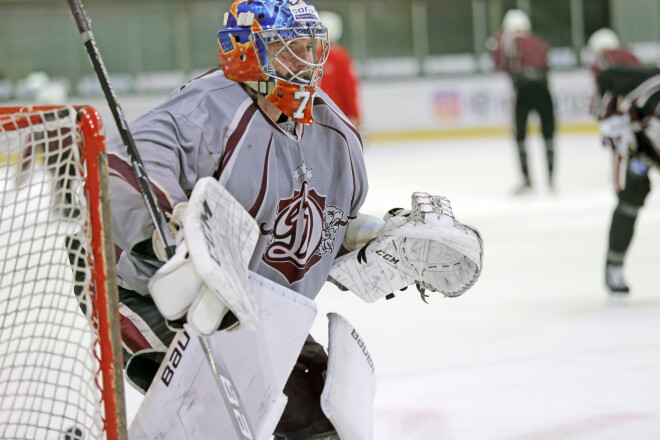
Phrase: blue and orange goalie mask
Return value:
(278, 49)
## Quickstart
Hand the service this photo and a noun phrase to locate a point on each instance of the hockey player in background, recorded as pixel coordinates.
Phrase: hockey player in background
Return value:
(606, 51)
(340, 77)
(524, 57)
(630, 172)
(629, 123)
(262, 173)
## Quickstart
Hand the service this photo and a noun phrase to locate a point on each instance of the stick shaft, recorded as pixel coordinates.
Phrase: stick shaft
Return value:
(157, 216)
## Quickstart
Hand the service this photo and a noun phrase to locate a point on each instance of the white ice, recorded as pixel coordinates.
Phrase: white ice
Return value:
(532, 351)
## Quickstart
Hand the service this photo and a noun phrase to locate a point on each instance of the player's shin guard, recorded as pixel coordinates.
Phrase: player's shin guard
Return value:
(621, 231)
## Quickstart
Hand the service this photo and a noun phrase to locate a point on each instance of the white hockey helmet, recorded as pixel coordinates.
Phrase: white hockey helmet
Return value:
(516, 20)
(333, 22)
(603, 39)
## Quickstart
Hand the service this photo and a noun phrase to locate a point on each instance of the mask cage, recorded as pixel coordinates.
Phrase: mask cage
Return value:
(312, 72)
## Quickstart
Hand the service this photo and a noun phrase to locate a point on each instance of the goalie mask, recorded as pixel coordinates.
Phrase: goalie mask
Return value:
(278, 49)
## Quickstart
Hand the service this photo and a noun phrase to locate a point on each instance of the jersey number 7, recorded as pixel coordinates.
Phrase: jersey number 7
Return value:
(303, 96)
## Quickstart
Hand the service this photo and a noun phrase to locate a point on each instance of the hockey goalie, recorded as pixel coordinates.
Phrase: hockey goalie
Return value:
(234, 381)
(263, 178)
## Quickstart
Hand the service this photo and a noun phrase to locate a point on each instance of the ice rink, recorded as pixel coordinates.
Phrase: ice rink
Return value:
(532, 351)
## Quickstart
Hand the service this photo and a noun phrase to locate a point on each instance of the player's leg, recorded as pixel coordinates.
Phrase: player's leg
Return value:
(144, 332)
(631, 199)
(545, 108)
(303, 417)
(145, 338)
(522, 107)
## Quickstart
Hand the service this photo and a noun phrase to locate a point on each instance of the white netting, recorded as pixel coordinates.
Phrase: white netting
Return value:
(48, 365)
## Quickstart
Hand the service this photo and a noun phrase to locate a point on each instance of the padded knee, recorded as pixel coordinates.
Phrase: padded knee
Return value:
(638, 185)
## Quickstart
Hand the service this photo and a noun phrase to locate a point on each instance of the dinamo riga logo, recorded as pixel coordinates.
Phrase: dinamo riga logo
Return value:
(303, 232)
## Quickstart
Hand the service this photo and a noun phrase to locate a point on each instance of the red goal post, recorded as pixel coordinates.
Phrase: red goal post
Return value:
(60, 349)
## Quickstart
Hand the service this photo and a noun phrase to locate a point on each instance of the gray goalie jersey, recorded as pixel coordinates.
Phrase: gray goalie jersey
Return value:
(301, 183)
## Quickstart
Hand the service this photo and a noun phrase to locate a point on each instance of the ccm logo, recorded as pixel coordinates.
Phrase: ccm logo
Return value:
(175, 359)
(387, 257)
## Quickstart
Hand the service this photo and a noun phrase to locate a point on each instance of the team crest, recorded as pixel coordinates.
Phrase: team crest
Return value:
(304, 231)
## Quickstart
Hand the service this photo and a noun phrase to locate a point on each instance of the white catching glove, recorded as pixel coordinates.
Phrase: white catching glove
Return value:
(208, 276)
(617, 132)
(427, 247)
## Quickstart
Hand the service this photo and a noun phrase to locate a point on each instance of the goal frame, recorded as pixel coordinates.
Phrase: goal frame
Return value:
(104, 284)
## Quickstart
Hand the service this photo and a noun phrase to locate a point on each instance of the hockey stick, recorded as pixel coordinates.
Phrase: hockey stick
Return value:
(157, 217)
(241, 424)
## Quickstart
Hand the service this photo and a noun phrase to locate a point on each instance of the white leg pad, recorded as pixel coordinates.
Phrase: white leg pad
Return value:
(350, 386)
(185, 401)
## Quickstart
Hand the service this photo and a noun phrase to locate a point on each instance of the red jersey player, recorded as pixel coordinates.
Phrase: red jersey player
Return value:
(340, 78)
(524, 56)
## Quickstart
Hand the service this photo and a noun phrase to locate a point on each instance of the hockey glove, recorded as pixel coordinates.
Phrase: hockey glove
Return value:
(617, 132)
(427, 247)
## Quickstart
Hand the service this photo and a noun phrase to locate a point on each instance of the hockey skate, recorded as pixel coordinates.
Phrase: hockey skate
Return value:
(524, 188)
(616, 284)
(327, 436)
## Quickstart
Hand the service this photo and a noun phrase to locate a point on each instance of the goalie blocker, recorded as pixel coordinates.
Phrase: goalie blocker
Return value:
(208, 275)
(427, 247)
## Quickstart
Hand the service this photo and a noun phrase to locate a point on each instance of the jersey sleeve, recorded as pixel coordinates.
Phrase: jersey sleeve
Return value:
(360, 179)
(169, 147)
(496, 50)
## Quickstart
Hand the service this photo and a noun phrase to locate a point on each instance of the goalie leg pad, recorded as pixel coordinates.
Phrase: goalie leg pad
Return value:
(185, 401)
(350, 387)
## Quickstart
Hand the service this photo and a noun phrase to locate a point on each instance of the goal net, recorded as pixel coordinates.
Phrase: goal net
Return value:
(60, 356)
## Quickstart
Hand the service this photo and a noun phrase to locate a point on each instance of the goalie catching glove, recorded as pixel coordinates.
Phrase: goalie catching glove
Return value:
(426, 246)
(208, 275)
